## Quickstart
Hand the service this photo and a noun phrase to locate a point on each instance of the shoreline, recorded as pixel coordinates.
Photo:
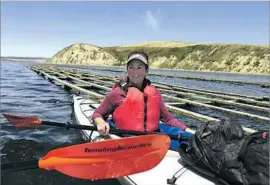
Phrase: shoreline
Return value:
(166, 69)
(154, 68)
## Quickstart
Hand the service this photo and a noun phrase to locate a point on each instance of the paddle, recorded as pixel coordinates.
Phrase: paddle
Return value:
(105, 159)
(33, 122)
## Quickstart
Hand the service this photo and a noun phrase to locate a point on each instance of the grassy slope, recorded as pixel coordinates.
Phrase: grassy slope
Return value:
(180, 55)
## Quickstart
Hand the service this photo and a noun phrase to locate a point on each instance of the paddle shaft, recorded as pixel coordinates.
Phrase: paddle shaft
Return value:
(18, 166)
(112, 130)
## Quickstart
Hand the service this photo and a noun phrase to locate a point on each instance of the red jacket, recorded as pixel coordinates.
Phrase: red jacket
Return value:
(117, 96)
(139, 111)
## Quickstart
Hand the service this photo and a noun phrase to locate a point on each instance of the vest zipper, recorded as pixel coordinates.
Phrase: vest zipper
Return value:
(145, 111)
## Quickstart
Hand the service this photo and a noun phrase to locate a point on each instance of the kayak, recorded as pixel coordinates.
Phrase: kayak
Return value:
(169, 166)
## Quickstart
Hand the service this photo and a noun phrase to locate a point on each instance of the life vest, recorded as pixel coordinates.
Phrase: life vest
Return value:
(140, 111)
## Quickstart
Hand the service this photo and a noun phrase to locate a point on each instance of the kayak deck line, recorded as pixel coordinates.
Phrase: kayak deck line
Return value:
(97, 86)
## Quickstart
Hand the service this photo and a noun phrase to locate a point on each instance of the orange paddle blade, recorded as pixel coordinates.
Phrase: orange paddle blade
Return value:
(108, 159)
(23, 121)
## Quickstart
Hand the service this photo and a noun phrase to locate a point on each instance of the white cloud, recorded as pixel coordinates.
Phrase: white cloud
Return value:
(151, 20)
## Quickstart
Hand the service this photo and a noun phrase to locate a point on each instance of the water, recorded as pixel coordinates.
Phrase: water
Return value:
(225, 87)
(209, 75)
(25, 92)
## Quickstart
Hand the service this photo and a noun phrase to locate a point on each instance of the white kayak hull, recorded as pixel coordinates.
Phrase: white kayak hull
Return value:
(171, 163)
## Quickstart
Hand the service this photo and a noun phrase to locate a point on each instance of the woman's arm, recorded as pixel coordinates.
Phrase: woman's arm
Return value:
(105, 108)
(109, 104)
(167, 118)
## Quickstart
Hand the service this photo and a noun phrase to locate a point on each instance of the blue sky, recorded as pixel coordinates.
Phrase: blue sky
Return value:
(41, 29)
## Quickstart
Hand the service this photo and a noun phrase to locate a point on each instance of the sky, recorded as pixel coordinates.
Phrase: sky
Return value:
(41, 29)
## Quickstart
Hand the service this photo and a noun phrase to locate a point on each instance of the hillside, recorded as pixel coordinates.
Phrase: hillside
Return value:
(84, 54)
(174, 55)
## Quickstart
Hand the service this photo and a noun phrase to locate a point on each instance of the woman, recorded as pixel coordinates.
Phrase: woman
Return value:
(134, 103)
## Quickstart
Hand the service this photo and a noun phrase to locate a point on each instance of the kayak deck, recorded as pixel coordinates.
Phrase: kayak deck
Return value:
(170, 164)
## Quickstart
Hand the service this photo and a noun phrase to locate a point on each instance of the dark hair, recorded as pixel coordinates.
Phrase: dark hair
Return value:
(138, 52)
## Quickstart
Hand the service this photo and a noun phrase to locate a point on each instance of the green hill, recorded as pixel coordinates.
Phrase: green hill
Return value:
(174, 55)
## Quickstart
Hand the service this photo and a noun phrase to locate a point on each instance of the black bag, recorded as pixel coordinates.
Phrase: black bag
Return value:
(224, 152)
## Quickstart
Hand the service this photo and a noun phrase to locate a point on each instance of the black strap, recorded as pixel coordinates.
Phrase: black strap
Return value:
(123, 85)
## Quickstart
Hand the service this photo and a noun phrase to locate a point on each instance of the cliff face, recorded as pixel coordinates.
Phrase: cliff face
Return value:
(174, 55)
(83, 54)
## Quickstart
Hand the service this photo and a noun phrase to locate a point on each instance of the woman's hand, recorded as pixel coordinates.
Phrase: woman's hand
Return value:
(102, 126)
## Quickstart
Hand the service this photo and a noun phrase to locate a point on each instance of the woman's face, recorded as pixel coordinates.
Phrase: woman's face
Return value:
(136, 72)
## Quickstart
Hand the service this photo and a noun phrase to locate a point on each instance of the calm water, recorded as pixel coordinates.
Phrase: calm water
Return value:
(210, 75)
(25, 92)
(252, 90)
